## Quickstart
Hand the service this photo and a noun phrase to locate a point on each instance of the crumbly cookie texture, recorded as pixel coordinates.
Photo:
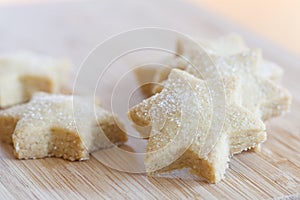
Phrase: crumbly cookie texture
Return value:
(59, 126)
(186, 133)
(23, 74)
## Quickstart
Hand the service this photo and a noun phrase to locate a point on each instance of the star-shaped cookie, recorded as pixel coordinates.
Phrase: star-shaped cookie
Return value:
(258, 93)
(22, 74)
(183, 132)
(59, 126)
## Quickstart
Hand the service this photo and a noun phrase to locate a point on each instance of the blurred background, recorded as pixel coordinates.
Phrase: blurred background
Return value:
(276, 21)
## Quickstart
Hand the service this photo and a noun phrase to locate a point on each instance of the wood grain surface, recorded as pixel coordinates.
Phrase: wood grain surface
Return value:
(71, 30)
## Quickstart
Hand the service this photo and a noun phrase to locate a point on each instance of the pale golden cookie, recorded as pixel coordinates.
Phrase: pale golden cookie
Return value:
(263, 97)
(259, 94)
(59, 126)
(182, 135)
(23, 74)
(229, 45)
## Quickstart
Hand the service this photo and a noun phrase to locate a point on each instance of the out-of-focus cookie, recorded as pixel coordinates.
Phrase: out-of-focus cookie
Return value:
(23, 74)
(229, 45)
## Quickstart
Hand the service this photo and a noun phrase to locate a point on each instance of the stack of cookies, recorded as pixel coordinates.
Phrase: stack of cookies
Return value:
(195, 125)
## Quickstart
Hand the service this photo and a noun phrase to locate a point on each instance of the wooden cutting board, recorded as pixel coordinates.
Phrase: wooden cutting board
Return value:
(71, 30)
